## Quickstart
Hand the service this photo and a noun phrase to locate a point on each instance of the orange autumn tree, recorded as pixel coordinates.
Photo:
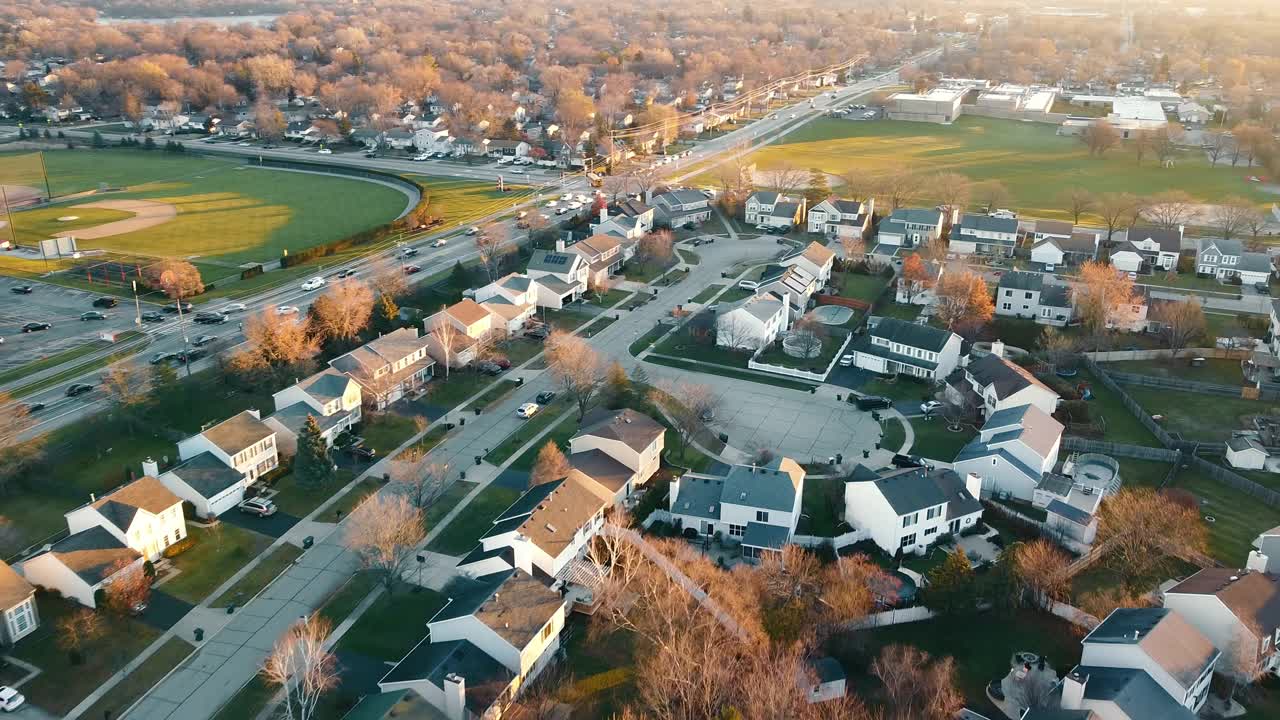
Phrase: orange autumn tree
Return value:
(964, 302)
(915, 278)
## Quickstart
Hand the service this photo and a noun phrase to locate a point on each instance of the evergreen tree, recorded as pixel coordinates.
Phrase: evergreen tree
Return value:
(950, 587)
(312, 465)
(98, 140)
(149, 144)
(819, 187)
(617, 386)
(459, 278)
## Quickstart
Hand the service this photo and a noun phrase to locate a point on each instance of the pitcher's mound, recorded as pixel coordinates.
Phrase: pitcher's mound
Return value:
(146, 213)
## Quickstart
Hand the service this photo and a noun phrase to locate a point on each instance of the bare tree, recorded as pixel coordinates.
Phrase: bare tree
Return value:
(77, 630)
(1180, 322)
(129, 587)
(992, 194)
(916, 685)
(383, 532)
(303, 667)
(1232, 217)
(1100, 292)
(808, 334)
(685, 404)
(449, 339)
(576, 366)
(897, 187)
(343, 311)
(1056, 347)
(952, 191)
(1165, 143)
(550, 465)
(786, 178)
(855, 248)
(387, 278)
(656, 249)
(1143, 531)
(1216, 144)
(127, 386)
(1100, 137)
(493, 243)
(426, 481)
(1117, 211)
(1078, 201)
(1042, 569)
(1170, 209)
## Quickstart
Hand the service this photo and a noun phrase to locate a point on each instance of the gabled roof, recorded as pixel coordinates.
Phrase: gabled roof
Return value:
(1253, 597)
(1165, 636)
(1255, 262)
(1170, 241)
(553, 262)
(1070, 512)
(1005, 376)
(468, 312)
(1221, 246)
(207, 475)
(765, 197)
(515, 282)
(1054, 227)
(1134, 692)
(554, 524)
(772, 486)
(682, 197)
(145, 493)
(818, 254)
(916, 216)
(595, 246)
(485, 678)
(909, 490)
(1058, 296)
(238, 432)
(1026, 423)
(986, 223)
(765, 535)
(91, 553)
(1241, 444)
(13, 587)
(911, 334)
(511, 603)
(326, 385)
(601, 468)
(786, 209)
(699, 497)
(1018, 280)
(635, 430)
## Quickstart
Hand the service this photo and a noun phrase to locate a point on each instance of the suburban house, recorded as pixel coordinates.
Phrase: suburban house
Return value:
(908, 228)
(1147, 249)
(1056, 307)
(332, 398)
(630, 219)
(752, 323)
(1054, 252)
(18, 614)
(679, 208)
(1239, 611)
(757, 506)
(909, 509)
(839, 218)
(1042, 230)
(1227, 258)
(602, 255)
(920, 291)
(560, 276)
(1072, 511)
(794, 282)
(1140, 664)
(1131, 317)
(984, 235)
(506, 148)
(816, 260)
(609, 438)
(512, 289)
(490, 640)
(896, 346)
(770, 209)
(1012, 452)
(388, 367)
(1193, 112)
(144, 515)
(1245, 453)
(1266, 555)
(1018, 294)
(81, 564)
(219, 463)
(992, 383)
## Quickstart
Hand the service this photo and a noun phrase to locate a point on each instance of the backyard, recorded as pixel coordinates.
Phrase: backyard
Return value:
(936, 442)
(1219, 371)
(1238, 518)
(1121, 425)
(1210, 418)
(821, 507)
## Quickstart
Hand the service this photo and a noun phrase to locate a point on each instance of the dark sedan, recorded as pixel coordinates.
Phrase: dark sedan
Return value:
(21, 290)
(106, 302)
(93, 315)
(35, 327)
(79, 389)
(152, 316)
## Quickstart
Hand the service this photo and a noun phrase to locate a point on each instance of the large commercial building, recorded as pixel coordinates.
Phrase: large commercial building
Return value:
(939, 105)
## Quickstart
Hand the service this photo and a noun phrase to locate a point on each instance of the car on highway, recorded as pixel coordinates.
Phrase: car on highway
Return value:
(93, 315)
(440, 242)
(35, 407)
(545, 396)
(10, 699)
(349, 272)
(324, 151)
(207, 317)
(421, 157)
(190, 356)
(930, 407)
(371, 154)
(846, 361)
(233, 307)
(412, 269)
(575, 205)
(174, 307)
(21, 290)
(163, 357)
(204, 340)
(314, 283)
(409, 252)
(106, 302)
(78, 389)
(287, 310)
(153, 316)
(527, 410)
(258, 506)
(561, 210)
(35, 327)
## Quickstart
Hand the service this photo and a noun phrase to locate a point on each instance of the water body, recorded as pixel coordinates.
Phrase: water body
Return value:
(223, 20)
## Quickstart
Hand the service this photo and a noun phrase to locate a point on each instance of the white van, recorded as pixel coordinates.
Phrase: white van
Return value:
(749, 285)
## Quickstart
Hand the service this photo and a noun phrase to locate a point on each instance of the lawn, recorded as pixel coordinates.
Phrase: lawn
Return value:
(61, 685)
(449, 392)
(226, 209)
(345, 599)
(899, 311)
(644, 272)
(894, 434)
(462, 534)
(42, 223)
(1121, 425)
(1210, 418)
(547, 415)
(831, 345)
(387, 431)
(270, 567)
(602, 668)
(493, 395)
(642, 343)
(516, 351)
(349, 502)
(859, 287)
(166, 658)
(935, 441)
(822, 507)
(682, 344)
(1238, 517)
(395, 622)
(216, 555)
(707, 293)
(1218, 371)
(609, 298)
(1018, 154)
(299, 501)
(568, 319)
(1142, 473)
(566, 428)
(458, 201)
(446, 502)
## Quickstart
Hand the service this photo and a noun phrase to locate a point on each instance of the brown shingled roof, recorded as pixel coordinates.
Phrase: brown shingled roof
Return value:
(238, 432)
(145, 493)
(519, 609)
(1253, 597)
(468, 312)
(818, 254)
(553, 525)
(633, 429)
(13, 587)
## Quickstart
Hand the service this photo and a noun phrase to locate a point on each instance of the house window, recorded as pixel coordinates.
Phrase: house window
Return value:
(1006, 306)
(737, 530)
(762, 516)
(930, 531)
(909, 520)
(1026, 296)
(908, 540)
(932, 513)
(546, 631)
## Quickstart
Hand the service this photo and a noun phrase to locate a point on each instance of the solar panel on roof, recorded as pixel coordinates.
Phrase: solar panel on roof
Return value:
(556, 259)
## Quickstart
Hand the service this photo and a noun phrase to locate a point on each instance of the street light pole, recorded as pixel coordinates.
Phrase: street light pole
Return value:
(137, 304)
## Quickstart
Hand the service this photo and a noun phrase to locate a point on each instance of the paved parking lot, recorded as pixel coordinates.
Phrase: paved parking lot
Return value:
(60, 307)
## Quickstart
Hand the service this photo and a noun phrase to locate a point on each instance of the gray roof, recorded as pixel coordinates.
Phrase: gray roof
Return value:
(1168, 240)
(1054, 227)
(1022, 281)
(908, 333)
(556, 285)
(519, 283)
(511, 603)
(1006, 376)
(528, 502)
(685, 197)
(1165, 636)
(91, 553)
(986, 223)
(1056, 296)
(1221, 245)
(864, 345)
(636, 430)
(1253, 597)
(762, 306)
(238, 432)
(207, 475)
(916, 216)
(847, 207)
(602, 468)
(699, 497)
(770, 487)
(786, 209)
(1240, 444)
(326, 385)
(1059, 485)
(764, 535)
(828, 669)
(1068, 511)
(485, 677)
(1255, 262)
(1133, 691)
(551, 261)
(909, 490)
(765, 197)
(294, 417)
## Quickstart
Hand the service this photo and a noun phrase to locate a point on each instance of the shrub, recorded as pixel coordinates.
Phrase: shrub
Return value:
(179, 547)
(149, 569)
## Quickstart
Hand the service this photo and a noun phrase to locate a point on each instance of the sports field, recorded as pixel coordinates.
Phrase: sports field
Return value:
(225, 211)
(1034, 163)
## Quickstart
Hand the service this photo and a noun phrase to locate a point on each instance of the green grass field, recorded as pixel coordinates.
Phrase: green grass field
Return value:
(1020, 155)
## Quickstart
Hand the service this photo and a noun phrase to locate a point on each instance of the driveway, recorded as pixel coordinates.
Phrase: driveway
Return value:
(275, 526)
(164, 610)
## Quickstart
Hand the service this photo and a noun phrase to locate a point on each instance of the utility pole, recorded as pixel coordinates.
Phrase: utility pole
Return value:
(137, 304)
(13, 232)
(45, 172)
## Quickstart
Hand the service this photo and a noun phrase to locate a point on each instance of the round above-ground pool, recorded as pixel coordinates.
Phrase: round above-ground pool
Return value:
(832, 314)
(894, 589)
(1100, 472)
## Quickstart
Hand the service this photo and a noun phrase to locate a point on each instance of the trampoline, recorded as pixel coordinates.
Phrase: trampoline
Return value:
(833, 314)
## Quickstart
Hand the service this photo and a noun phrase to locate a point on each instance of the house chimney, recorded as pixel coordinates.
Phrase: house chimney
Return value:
(93, 497)
(1073, 690)
(150, 467)
(1257, 561)
(973, 484)
(455, 697)
(997, 348)
(648, 196)
(604, 213)
(560, 245)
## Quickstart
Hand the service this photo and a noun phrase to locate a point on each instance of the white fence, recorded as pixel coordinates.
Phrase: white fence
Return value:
(1185, 353)
(802, 374)
(1074, 615)
(837, 542)
(893, 617)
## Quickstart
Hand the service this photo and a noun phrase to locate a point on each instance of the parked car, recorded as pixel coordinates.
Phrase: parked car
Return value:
(930, 407)
(10, 699)
(210, 318)
(489, 368)
(203, 340)
(1262, 288)
(846, 361)
(873, 402)
(152, 316)
(314, 283)
(79, 389)
(174, 307)
(233, 307)
(258, 506)
(35, 327)
(905, 461)
(106, 302)
(748, 284)
(190, 356)
(325, 151)
(162, 357)
(502, 362)
(545, 397)
(93, 315)
(538, 333)
(412, 269)
(21, 290)
(361, 452)
(527, 410)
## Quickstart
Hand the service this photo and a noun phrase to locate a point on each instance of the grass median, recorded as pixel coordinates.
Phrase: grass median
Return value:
(544, 419)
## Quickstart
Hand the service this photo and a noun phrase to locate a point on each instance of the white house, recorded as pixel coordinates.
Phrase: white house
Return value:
(770, 209)
(680, 208)
(839, 218)
(896, 346)
(1142, 663)
(1246, 454)
(1239, 611)
(81, 564)
(560, 276)
(992, 383)
(219, 463)
(816, 260)
(1056, 307)
(794, 282)
(919, 291)
(1042, 230)
(984, 235)
(1053, 252)
(1148, 250)
(909, 509)
(18, 614)
(387, 367)
(623, 437)
(752, 323)
(908, 228)
(1194, 113)
(1012, 452)
(628, 219)
(332, 398)
(1075, 516)
(1018, 294)
(757, 506)
(603, 257)
(144, 515)
(493, 637)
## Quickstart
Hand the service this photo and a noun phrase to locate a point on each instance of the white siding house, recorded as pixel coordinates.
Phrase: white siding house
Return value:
(1013, 451)
(756, 506)
(897, 346)
(18, 614)
(909, 509)
(1239, 611)
(752, 323)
